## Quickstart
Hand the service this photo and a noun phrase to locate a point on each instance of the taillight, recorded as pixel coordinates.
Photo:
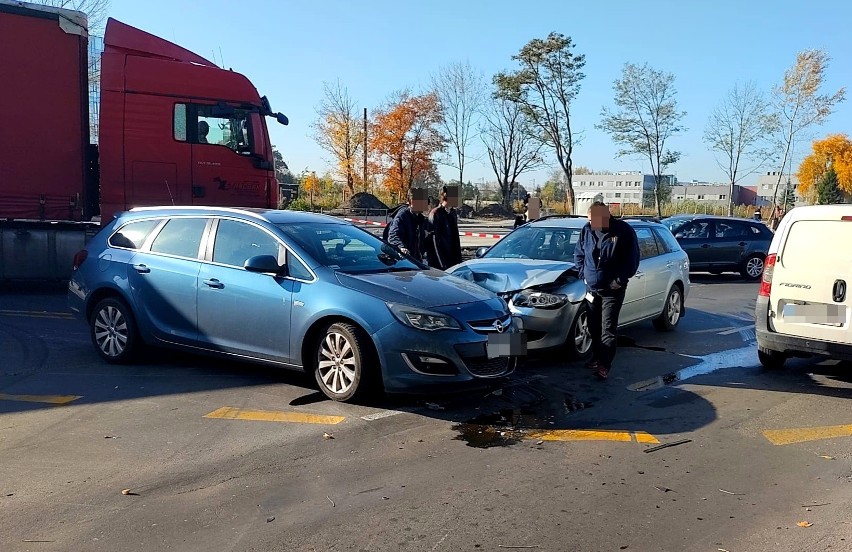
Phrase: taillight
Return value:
(847, 217)
(79, 257)
(766, 281)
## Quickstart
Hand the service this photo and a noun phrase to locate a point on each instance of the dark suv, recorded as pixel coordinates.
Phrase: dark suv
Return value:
(722, 244)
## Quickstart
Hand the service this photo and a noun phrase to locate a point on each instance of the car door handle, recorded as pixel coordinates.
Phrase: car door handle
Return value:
(742, 244)
(214, 283)
(141, 269)
(705, 246)
(638, 274)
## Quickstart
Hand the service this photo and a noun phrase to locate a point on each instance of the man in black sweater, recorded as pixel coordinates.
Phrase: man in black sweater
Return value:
(607, 256)
(408, 228)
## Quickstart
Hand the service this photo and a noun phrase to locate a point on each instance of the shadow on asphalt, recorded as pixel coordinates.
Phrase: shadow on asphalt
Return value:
(724, 278)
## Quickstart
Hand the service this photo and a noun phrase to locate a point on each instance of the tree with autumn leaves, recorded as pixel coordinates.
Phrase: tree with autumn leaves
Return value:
(827, 170)
(403, 140)
(338, 131)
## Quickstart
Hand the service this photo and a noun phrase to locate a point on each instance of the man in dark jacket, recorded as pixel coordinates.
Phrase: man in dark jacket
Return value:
(407, 229)
(607, 256)
(443, 248)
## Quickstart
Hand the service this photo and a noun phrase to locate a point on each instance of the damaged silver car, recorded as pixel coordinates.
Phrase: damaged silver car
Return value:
(533, 270)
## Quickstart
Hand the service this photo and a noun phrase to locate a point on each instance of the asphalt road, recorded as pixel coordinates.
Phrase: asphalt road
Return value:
(218, 455)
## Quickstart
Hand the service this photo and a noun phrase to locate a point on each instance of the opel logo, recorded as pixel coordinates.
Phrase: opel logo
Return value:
(499, 326)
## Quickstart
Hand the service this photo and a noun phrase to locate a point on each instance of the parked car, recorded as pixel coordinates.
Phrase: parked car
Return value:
(533, 269)
(804, 307)
(722, 244)
(296, 290)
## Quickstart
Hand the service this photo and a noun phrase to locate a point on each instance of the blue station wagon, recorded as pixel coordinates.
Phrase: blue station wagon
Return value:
(297, 290)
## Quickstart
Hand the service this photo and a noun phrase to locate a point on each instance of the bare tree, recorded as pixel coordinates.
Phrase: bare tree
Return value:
(646, 117)
(338, 130)
(799, 106)
(461, 93)
(511, 144)
(96, 10)
(739, 130)
(545, 86)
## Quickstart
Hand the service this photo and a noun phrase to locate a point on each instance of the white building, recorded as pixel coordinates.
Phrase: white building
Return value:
(621, 188)
(765, 188)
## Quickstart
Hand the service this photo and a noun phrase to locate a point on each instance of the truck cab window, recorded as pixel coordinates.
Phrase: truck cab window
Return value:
(232, 131)
(180, 122)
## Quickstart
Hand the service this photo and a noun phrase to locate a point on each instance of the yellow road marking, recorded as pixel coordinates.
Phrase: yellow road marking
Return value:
(804, 434)
(37, 314)
(230, 413)
(592, 435)
(50, 399)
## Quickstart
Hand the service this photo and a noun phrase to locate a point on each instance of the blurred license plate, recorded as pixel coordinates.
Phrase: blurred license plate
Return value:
(506, 344)
(821, 313)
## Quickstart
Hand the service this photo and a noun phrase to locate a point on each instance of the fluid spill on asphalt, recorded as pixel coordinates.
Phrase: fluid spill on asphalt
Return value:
(498, 429)
(744, 357)
(532, 410)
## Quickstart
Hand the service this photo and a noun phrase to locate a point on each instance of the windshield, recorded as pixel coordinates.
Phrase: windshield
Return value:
(348, 249)
(537, 242)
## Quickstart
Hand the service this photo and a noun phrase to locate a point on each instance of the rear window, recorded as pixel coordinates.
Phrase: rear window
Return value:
(822, 244)
(667, 241)
(133, 234)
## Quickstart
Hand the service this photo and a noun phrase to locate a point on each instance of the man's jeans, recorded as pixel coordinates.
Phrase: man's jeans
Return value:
(603, 322)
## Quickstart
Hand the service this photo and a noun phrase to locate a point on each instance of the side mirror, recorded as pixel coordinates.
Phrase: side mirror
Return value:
(679, 235)
(265, 264)
(481, 251)
(282, 119)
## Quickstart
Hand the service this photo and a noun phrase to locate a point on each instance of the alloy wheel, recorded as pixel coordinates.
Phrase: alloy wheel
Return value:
(754, 267)
(673, 308)
(582, 336)
(337, 368)
(111, 331)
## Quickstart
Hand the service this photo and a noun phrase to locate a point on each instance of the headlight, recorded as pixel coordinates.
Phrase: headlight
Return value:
(539, 299)
(423, 319)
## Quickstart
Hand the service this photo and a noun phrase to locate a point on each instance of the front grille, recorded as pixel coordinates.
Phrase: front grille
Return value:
(487, 326)
(489, 367)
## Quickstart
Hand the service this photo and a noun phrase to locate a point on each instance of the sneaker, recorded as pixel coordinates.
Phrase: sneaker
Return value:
(602, 371)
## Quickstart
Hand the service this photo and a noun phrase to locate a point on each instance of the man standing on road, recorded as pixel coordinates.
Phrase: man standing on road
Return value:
(607, 256)
(407, 229)
(443, 245)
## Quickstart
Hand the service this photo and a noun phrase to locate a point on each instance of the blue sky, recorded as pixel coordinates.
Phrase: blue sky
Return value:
(374, 47)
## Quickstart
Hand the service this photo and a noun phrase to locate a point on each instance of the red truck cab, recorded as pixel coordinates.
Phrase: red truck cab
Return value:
(176, 129)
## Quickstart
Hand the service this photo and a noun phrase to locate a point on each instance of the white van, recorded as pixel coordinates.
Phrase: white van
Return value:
(804, 307)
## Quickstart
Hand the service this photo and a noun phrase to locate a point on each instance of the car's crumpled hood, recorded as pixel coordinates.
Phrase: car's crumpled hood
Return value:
(504, 275)
(419, 288)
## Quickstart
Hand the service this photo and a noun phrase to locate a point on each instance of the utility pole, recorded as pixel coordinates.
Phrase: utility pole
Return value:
(365, 149)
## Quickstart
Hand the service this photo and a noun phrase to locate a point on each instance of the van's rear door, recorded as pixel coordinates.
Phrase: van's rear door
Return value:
(810, 295)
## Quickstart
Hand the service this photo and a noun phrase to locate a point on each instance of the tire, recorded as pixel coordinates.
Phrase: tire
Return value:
(752, 268)
(771, 360)
(672, 311)
(345, 369)
(579, 341)
(113, 331)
